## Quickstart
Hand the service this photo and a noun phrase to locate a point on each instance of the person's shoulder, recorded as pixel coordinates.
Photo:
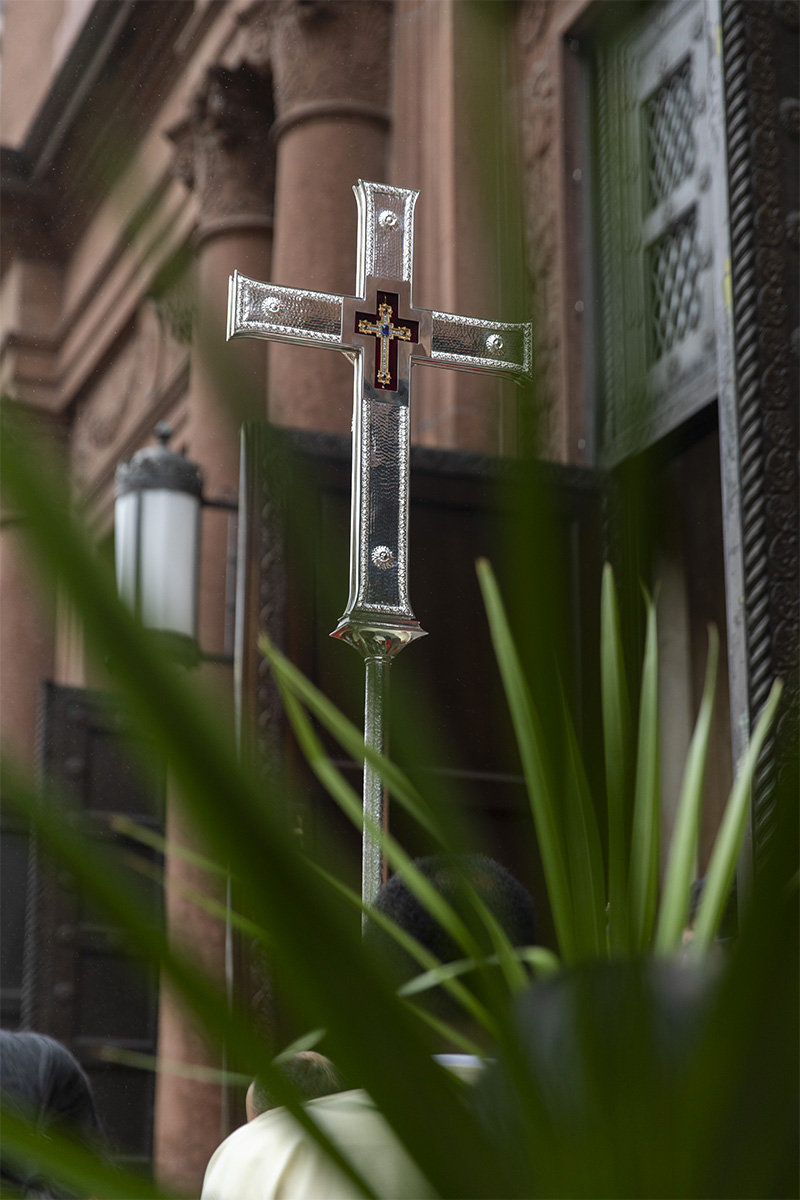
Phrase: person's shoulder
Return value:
(241, 1163)
(355, 1100)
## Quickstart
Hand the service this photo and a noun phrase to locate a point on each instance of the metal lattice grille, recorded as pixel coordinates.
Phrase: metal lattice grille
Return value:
(669, 117)
(675, 286)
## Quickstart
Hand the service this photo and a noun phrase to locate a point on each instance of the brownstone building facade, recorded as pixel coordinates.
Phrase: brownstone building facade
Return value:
(644, 155)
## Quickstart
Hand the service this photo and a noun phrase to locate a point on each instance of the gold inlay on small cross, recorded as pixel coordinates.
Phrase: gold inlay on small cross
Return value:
(385, 330)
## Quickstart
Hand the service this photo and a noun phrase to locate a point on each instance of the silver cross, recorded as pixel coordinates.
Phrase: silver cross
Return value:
(382, 333)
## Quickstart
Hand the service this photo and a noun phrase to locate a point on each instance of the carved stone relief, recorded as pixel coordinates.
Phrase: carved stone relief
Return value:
(760, 51)
(125, 386)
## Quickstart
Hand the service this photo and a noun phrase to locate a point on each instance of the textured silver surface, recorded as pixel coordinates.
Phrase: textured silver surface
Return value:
(283, 314)
(384, 508)
(470, 343)
(374, 797)
(383, 558)
(386, 247)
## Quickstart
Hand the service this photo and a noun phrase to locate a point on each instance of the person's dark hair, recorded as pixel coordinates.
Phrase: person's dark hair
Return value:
(44, 1084)
(312, 1074)
(505, 896)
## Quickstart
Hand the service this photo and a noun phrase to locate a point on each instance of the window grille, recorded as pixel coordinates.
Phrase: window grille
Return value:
(674, 274)
(655, 233)
(671, 144)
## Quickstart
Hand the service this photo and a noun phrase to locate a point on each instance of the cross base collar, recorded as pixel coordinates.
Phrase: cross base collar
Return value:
(375, 638)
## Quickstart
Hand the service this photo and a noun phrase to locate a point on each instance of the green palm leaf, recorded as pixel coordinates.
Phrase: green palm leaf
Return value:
(535, 763)
(643, 886)
(617, 743)
(722, 865)
(681, 864)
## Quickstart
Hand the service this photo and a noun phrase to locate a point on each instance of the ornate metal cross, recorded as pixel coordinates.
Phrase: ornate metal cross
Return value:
(382, 333)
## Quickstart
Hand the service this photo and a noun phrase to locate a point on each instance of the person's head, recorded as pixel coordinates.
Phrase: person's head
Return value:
(311, 1074)
(41, 1081)
(40, 1075)
(453, 878)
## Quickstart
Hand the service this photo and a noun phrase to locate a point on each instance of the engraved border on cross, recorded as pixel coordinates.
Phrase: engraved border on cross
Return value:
(378, 619)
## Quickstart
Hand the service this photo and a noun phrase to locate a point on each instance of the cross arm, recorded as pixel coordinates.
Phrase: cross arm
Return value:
(284, 314)
(470, 344)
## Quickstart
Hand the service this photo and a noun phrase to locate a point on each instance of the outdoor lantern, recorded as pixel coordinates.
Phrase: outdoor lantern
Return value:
(157, 542)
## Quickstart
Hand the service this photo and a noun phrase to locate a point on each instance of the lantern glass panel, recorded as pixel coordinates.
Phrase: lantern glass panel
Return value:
(170, 526)
(126, 538)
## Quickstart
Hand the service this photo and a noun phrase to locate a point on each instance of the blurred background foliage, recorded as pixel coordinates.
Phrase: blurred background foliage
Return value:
(638, 1079)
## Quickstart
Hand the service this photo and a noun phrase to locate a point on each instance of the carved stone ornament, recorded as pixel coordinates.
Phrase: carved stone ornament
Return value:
(118, 393)
(324, 50)
(788, 11)
(223, 150)
(760, 49)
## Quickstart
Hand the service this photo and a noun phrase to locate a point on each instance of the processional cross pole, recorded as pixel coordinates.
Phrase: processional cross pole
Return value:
(382, 333)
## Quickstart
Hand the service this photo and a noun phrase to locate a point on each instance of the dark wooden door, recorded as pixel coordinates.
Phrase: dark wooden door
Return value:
(83, 983)
(450, 726)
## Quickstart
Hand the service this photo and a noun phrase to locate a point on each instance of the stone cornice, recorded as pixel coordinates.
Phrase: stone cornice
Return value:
(120, 59)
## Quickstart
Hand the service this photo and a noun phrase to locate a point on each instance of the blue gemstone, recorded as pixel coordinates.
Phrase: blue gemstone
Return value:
(385, 331)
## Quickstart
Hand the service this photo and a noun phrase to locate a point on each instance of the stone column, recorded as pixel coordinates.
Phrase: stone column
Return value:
(26, 642)
(224, 155)
(31, 295)
(450, 141)
(331, 62)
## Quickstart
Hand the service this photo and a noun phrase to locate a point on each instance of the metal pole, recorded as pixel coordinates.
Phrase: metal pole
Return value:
(375, 737)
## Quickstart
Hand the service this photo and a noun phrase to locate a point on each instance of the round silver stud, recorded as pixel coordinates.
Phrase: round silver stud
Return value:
(388, 219)
(383, 558)
(495, 343)
(272, 304)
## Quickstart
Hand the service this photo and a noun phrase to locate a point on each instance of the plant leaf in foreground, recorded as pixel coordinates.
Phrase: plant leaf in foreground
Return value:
(617, 743)
(534, 761)
(681, 864)
(643, 885)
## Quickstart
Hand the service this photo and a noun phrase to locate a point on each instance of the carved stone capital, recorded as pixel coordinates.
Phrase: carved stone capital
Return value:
(222, 148)
(322, 50)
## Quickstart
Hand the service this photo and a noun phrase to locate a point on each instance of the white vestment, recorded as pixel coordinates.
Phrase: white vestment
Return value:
(273, 1158)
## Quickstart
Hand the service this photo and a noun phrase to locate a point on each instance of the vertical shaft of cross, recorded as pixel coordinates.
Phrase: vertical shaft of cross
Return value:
(376, 696)
(382, 333)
